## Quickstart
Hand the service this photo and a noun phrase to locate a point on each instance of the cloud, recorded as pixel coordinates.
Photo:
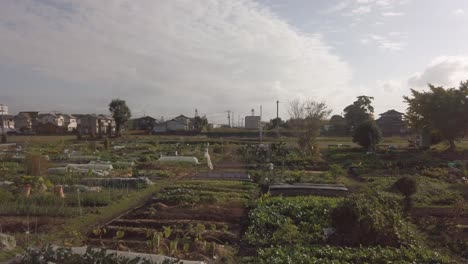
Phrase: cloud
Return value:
(164, 56)
(392, 14)
(389, 86)
(447, 71)
(458, 12)
(392, 41)
(361, 10)
(336, 8)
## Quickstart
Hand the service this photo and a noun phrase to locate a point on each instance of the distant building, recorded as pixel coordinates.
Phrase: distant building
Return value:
(179, 123)
(96, 125)
(3, 110)
(142, 123)
(7, 122)
(55, 119)
(69, 122)
(252, 122)
(391, 124)
(24, 121)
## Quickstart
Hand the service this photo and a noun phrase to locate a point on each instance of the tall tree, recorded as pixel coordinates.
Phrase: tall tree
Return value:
(443, 110)
(307, 118)
(361, 110)
(199, 123)
(120, 112)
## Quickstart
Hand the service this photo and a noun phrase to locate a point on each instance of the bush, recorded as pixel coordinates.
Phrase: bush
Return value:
(367, 135)
(336, 171)
(368, 219)
(327, 254)
(407, 186)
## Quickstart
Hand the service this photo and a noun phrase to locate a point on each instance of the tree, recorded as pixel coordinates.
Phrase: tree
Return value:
(337, 126)
(120, 112)
(358, 112)
(367, 134)
(307, 118)
(275, 121)
(444, 111)
(200, 123)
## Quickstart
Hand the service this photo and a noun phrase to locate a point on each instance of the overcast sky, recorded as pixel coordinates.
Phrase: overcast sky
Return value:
(166, 57)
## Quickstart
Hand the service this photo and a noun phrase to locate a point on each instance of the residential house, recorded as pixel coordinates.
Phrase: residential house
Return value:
(142, 123)
(179, 123)
(69, 122)
(56, 119)
(7, 123)
(96, 125)
(391, 124)
(24, 121)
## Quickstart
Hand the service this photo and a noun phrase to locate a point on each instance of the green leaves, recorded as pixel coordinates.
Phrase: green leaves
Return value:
(327, 254)
(443, 110)
(278, 220)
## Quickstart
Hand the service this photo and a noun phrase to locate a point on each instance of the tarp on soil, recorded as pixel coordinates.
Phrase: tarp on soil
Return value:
(309, 189)
(232, 176)
(132, 255)
(140, 182)
(82, 158)
(92, 166)
(192, 160)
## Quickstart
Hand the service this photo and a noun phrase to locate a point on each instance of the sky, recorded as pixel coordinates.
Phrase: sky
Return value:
(170, 57)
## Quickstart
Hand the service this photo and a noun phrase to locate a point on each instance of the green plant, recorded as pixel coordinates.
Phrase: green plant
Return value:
(278, 220)
(327, 254)
(407, 186)
(368, 218)
(367, 135)
(336, 171)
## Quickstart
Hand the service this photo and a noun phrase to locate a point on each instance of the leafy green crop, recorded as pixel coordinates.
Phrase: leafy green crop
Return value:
(278, 220)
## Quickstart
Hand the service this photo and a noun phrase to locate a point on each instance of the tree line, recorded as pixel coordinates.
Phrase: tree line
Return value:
(437, 114)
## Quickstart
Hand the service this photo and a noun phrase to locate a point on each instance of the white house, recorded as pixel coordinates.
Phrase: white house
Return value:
(70, 122)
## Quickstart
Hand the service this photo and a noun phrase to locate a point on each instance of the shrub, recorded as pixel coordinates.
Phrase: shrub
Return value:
(407, 186)
(368, 219)
(336, 171)
(367, 135)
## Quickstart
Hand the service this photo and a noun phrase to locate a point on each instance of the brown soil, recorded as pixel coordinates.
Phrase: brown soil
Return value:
(19, 224)
(197, 212)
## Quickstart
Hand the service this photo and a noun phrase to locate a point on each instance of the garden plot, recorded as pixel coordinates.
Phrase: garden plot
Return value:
(198, 220)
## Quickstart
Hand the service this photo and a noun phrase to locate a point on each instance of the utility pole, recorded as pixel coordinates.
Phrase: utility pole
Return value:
(229, 118)
(3, 125)
(277, 118)
(260, 113)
